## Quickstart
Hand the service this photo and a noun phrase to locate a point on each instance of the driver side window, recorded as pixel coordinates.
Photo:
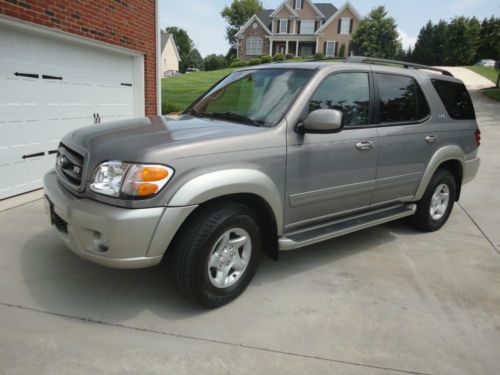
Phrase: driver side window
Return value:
(348, 93)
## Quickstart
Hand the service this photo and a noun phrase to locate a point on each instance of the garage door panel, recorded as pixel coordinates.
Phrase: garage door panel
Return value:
(36, 113)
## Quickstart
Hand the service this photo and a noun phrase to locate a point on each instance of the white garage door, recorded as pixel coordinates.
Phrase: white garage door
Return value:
(49, 87)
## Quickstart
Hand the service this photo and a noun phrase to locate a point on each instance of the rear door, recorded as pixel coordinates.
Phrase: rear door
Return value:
(406, 139)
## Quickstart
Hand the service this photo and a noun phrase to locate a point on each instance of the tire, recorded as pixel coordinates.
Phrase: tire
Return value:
(432, 210)
(212, 262)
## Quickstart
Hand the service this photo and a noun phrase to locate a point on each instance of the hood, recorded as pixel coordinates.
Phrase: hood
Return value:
(157, 139)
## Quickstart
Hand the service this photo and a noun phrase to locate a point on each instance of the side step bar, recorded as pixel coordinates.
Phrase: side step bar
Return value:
(318, 233)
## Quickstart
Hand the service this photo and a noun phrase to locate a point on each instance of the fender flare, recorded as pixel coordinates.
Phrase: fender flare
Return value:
(449, 152)
(231, 181)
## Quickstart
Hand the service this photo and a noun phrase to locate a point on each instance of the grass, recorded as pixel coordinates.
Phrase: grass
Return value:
(493, 93)
(180, 91)
(485, 71)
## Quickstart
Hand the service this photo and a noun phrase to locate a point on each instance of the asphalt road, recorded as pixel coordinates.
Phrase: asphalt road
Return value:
(388, 300)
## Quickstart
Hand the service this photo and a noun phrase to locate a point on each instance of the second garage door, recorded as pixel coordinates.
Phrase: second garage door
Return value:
(49, 87)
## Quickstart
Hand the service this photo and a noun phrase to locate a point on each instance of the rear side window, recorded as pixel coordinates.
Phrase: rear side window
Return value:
(400, 99)
(455, 98)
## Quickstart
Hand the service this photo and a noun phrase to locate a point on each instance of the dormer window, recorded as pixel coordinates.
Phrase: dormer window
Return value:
(298, 4)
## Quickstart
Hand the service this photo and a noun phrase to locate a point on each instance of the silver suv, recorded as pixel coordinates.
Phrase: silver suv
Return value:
(271, 158)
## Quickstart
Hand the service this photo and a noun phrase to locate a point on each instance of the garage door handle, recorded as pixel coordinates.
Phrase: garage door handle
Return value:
(366, 145)
(33, 155)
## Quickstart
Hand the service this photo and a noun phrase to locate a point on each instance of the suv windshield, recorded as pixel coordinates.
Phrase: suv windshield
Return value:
(256, 97)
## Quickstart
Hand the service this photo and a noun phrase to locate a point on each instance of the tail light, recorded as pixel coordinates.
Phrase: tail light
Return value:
(477, 134)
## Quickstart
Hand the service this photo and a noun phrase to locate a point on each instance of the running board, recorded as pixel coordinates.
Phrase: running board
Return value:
(318, 233)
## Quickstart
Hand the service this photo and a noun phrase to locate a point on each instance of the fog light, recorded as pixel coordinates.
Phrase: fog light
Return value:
(100, 242)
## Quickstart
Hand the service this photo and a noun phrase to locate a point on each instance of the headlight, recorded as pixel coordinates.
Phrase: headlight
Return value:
(115, 178)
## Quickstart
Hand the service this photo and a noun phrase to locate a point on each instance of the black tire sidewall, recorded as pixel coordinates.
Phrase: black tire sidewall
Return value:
(423, 216)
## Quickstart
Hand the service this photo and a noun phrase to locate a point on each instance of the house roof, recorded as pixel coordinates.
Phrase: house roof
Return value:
(287, 6)
(265, 17)
(346, 5)
(165, 37)
(327, 9)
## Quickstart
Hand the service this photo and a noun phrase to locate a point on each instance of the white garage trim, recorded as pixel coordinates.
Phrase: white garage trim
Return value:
(139, 97)
(158, 59)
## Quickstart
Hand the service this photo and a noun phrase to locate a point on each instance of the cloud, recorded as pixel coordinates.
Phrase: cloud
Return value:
(406, 40)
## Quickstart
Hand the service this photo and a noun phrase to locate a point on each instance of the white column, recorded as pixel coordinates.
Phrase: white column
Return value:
(317, 45)
(297, 48)
(286, 48)
(271, 47)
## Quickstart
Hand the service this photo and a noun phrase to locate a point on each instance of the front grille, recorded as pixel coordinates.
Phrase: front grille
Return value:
(69, 164)
(59, 223)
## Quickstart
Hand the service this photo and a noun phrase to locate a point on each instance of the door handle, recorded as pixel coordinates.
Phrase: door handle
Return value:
(431, 139)
(365, 145)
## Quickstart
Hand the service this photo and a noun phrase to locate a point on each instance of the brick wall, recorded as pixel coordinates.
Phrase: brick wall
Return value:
(125, 23)
(250, 31)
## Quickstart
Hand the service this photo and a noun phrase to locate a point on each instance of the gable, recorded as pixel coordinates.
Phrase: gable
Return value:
(250, 22)
(347, 10)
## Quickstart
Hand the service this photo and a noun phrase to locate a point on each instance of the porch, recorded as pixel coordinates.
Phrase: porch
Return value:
(299, 47)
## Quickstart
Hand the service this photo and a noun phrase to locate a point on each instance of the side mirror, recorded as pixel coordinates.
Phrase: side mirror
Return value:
(321, 121)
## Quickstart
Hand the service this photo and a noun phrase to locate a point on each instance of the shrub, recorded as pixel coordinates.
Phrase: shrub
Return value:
(279, 57)
(254, 61)
(266, 59)
(289, 56)
(167, 108)
(318, 55)
(237, 63)
(342, 50)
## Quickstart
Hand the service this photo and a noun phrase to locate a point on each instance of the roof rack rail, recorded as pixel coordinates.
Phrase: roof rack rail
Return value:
(405, 64)
(368, 60)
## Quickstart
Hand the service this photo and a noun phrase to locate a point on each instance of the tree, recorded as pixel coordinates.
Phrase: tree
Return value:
(462, 41)
(489, 45)
(215, 62)
(237, 14)
(194, 59)
(377, 36)
(430, 44)
(342, 50)
(184, 45)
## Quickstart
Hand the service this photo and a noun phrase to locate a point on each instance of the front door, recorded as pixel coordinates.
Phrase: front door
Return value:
(330, 175)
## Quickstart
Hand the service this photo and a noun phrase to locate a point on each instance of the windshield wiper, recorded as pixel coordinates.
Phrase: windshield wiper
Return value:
(232, 116)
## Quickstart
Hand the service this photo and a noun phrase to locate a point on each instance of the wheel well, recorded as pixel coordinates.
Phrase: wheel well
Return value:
(265, 219)
(455, 168)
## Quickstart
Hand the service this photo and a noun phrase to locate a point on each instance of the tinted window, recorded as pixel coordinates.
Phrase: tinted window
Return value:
(401, 99)
(346, 92)
(455, 98)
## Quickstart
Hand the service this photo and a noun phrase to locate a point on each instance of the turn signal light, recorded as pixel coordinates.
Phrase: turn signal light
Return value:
(146, 189)
(153, 174)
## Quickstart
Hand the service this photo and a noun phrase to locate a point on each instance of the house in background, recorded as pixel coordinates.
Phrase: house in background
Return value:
(169, 55)
(300, 27)
(68, 64)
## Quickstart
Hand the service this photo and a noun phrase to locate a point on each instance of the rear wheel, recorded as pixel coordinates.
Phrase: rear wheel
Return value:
(435, 207)
(217, 253)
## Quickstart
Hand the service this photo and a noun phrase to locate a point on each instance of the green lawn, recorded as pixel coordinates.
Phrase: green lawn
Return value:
(180, 91)
(487, 72)
(493, 93)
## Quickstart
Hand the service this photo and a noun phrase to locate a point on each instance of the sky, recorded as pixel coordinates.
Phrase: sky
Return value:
(204, 24)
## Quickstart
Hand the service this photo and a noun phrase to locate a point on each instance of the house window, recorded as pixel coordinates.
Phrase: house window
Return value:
(345, 26)
(254, 46)
(298, 4)
(330, 49)
(283, 26)
(307, 27)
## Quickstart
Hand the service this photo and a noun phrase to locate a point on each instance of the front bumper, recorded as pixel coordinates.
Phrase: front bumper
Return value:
(131, 234)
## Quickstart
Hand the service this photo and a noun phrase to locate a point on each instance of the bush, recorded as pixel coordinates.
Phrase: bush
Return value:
(279, 57)
(237, 63)
(342, 50)
(167, 108)
(318, 55)
(254, 61)
(215, 62)
(289, 56)
(266, 59)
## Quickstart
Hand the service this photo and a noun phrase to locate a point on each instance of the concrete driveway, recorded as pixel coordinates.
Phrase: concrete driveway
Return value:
(387, 300)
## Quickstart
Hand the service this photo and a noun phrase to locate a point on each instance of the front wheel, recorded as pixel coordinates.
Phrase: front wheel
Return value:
(217, 253)
(434, 209)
